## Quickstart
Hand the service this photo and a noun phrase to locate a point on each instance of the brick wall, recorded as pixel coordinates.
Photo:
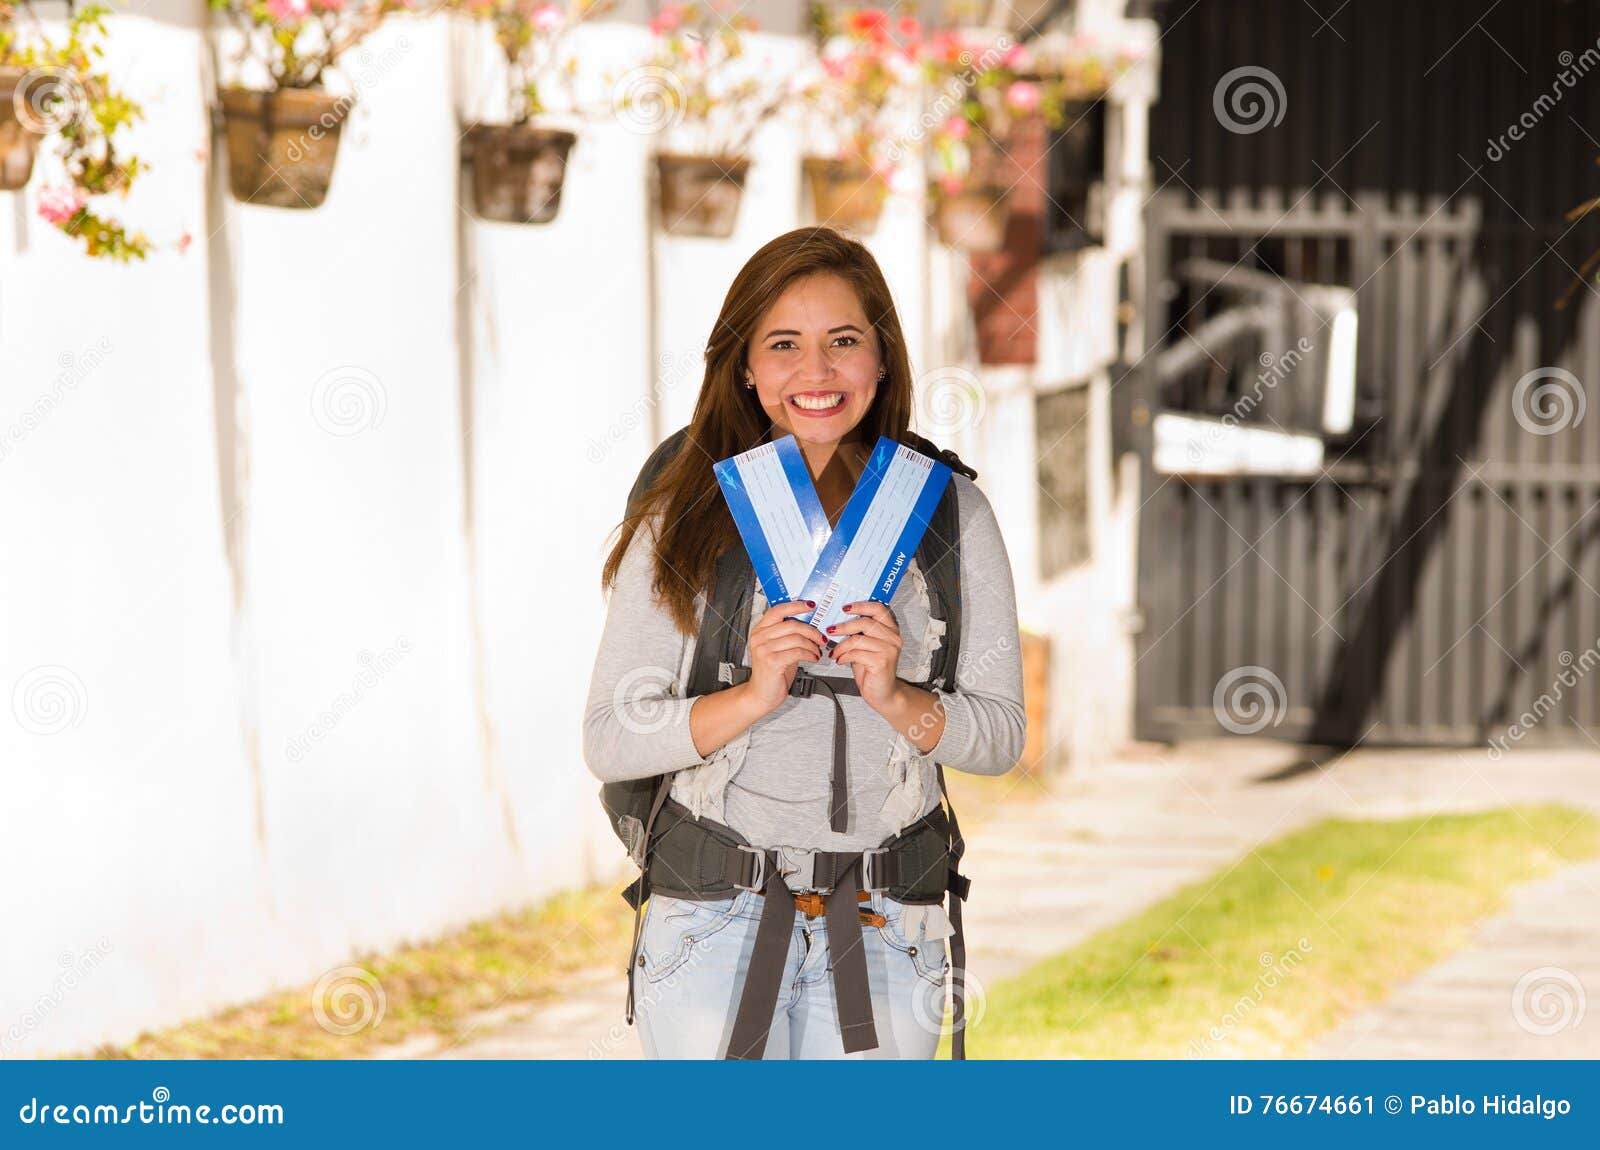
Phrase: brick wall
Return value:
(1003, 291)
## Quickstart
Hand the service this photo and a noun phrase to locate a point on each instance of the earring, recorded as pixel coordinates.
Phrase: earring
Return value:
(883, 374)
(748, 382)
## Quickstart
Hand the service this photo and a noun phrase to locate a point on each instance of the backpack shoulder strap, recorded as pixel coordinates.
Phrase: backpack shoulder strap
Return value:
(939, 556)
(664, 453)
(725, 625)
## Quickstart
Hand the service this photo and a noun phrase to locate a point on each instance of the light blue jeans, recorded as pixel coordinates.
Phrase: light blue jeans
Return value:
(690, 972)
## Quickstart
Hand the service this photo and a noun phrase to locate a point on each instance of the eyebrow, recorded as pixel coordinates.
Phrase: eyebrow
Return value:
(831, 331)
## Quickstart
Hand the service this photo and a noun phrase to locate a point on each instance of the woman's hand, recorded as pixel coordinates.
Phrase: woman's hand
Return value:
(871, 651)
(778, 645)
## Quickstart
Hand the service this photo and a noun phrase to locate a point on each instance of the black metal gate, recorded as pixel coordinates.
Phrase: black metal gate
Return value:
(1390, 538)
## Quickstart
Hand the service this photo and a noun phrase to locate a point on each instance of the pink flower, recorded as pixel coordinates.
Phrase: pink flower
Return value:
(58, 205)
(956, 127)
(1016, 57)
(547, 18)
(696, 52)
(1023, 96)
(285, 11)
(950, 183)
(329, 5)
(871, 23)
(184, 241)
(667, 19)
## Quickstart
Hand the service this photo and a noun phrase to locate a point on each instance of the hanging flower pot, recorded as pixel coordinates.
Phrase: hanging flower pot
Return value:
(282, 144)
(699, 195)
(17, 143)
(845, 193)
(517, 170)
(972, 218)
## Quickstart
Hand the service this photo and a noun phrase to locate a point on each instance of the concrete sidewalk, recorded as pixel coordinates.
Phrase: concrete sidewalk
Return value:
(1112, 839)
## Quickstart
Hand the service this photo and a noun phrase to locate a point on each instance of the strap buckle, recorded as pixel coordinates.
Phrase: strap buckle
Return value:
(798, 866)
(759, 882)
(869, 868)
(803, 686)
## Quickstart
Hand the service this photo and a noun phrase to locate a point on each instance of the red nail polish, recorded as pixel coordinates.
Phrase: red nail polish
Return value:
(809, 603)
(831, 628)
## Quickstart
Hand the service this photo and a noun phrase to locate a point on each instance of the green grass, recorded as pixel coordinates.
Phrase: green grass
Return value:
(428, 989)
(1282, 946)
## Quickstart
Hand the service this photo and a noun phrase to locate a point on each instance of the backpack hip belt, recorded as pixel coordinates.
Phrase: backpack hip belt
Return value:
(703, 859)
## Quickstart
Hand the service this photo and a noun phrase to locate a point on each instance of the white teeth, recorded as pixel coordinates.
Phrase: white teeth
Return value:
(817, 402)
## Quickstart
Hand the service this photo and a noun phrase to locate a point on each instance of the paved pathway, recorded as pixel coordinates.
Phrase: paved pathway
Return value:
(1518, 990)
(1113, 838)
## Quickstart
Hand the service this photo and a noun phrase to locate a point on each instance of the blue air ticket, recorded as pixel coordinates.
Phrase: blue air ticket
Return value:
(878, 531)
(778, 514)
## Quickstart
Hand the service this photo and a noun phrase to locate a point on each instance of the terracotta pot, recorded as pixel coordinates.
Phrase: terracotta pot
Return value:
(517, 170)
(17, 143)
(973, 219)
(845, 193)
(699, 195)
(282, 145)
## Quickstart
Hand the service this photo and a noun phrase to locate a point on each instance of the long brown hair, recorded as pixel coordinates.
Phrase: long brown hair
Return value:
(728, 417)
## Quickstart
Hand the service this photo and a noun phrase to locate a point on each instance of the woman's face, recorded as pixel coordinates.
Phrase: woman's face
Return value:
(815, 359)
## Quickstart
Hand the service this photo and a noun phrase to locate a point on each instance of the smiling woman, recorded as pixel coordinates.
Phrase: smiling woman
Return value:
(808, 344)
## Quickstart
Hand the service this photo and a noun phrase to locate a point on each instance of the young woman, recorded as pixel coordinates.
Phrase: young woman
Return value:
(807, 344)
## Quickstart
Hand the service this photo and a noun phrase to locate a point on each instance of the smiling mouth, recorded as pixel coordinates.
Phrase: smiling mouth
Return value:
(818, 401)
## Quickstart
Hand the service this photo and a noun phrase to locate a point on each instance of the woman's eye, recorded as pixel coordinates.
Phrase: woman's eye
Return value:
(783, 342)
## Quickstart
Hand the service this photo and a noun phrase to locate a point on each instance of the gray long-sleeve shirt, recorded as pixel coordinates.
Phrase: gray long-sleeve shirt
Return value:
(770, 783)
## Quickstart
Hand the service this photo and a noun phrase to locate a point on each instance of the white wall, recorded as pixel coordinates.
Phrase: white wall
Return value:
(304, 528)
(1088, 611)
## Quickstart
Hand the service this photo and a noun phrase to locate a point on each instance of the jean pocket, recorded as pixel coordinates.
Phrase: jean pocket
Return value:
(929, 957)
(674, 927)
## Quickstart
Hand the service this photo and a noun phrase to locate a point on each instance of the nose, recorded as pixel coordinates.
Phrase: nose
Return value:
(818, 365)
